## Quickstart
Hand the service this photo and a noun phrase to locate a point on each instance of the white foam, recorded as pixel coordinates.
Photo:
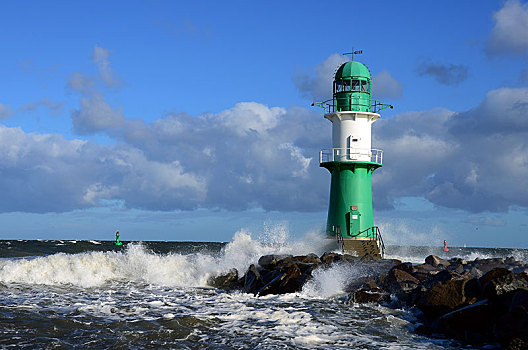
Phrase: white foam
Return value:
(137, 264)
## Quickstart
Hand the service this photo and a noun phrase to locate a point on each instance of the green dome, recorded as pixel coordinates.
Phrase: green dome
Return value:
(352, 69)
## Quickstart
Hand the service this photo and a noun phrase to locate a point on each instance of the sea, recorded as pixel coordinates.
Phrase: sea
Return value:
(89, 294)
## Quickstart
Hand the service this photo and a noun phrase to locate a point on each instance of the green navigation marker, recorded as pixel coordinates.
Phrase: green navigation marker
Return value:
(117, 241)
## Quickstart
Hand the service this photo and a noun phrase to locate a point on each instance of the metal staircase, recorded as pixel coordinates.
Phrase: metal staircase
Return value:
(371, 245)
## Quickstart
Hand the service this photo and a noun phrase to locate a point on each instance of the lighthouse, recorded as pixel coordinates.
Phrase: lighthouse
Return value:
(351, 161)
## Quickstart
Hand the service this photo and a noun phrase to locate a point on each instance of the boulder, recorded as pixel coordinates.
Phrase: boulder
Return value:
(504, 284)
(405, 266)
(269, 262)
(517, 344)
(514, 324)
(492, 274)
(308, 259)
(440, 277)
(329, 258)
(424, 272)
(398, 281)
(436, 261)
(442, 298)
(253, 280)
(226, 281)
(486, 265)
(473, 323)
(375, 295)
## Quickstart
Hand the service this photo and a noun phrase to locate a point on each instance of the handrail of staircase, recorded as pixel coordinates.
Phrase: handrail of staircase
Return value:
(379, 239)
(340, 240)
(368, 229)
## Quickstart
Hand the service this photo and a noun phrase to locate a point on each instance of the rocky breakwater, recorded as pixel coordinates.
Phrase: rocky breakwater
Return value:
(484, 300)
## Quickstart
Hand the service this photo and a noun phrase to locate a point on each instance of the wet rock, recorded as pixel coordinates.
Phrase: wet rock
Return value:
(399, 281)
(440, 277)
(329, 258)
(406, 266)
(424, 272)
(473, 323)
(252, 280)
(486, 265)
(227, 281)
(436, 261)
(514, 324)
(375, 295)
(308, 259)
(517, 344)
(504, 284)
(457, 261)
(443, 298)
(362, 283)
(472, 290)
(270, 261)
(492, 274)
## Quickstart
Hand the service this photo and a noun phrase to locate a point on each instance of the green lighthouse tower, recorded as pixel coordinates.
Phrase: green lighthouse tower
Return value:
(351, 161)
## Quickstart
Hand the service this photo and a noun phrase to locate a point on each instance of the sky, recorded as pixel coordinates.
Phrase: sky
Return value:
(190, 121)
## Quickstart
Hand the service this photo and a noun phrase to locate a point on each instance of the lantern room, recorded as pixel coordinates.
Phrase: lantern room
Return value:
(352, 84)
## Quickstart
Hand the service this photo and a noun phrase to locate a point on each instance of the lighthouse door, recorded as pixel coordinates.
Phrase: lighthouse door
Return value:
(354, 222)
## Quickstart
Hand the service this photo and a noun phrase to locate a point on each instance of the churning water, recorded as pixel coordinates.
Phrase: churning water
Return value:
(91, 294)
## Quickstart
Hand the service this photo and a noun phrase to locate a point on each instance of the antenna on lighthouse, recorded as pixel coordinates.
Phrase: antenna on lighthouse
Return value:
(357, 52)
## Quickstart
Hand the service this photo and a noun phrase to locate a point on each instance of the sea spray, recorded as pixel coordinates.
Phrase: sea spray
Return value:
(138, 264)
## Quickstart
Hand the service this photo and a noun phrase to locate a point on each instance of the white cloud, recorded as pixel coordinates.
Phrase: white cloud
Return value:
(44, 173)
(317, 83)
(5, 111)
(446, 74)
(55, 107)
(101, 57)
(475, 160)
(96, 115)
(385, 86)
(508, 35)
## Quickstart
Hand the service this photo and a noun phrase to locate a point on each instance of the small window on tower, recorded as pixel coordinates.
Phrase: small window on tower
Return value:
(346, 85)
(364, 86)
(338, 86)
(355, 85)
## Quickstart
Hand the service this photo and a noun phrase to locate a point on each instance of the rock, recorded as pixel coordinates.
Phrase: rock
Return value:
(473, 323)
(287, 278)
(362, 283)
(399, 281)
(424, 272)
(440, 277)
(458, 261)
(504, 284)
(436, 261)
(406, 266)
(472, 290)
(252, 280)
(514, 324)
(376, 295)
(350, 258)
(492, 274)
(517, 344)
(268, 262)
(442, 298)
(486, 265)
(226, 281)
(329, 258)
(308, 259)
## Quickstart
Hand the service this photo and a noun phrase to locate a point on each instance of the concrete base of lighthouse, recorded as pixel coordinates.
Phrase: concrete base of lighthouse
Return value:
(359, 246)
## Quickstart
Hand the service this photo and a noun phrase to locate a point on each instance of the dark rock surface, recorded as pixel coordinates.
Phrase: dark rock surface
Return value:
(484, 300)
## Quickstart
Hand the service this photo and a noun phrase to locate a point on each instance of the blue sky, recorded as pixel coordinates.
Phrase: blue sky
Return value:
(190, 121)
